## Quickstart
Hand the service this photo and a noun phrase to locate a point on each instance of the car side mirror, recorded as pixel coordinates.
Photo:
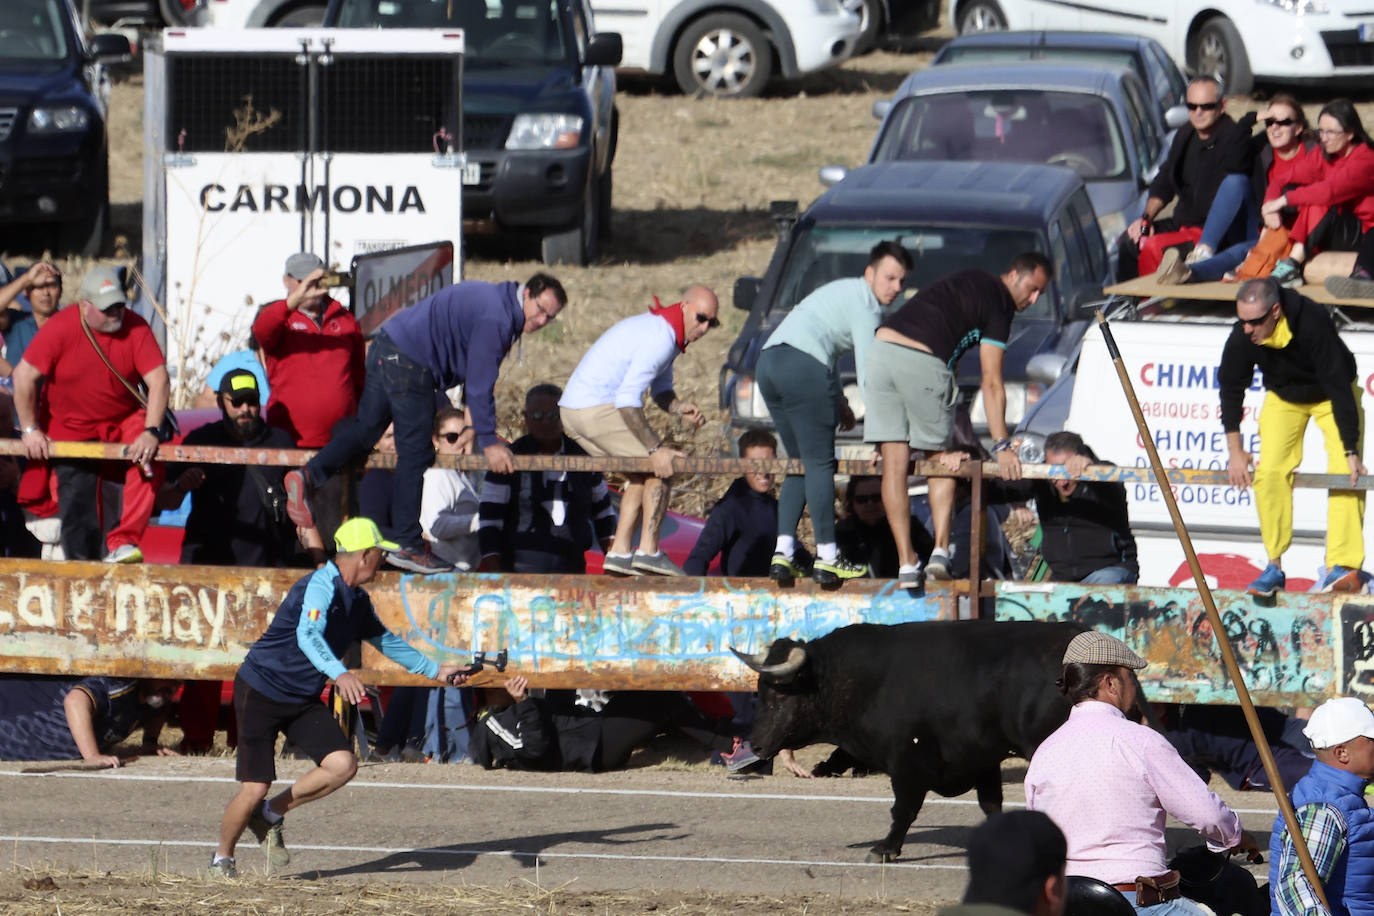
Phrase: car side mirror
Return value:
(605, 50)
(1046, 368)
(747, 292)
(881, 108)
(1175, 117)
(832, 175)
(110, 46)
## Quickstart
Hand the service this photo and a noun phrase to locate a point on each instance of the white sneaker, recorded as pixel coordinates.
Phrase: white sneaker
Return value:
(125, 553)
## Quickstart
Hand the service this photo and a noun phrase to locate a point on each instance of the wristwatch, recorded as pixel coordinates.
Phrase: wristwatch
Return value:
(157, 433)
(29, 429)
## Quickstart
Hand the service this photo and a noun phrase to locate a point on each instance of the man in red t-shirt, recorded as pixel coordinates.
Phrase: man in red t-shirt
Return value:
(313, 350)
(85, 401)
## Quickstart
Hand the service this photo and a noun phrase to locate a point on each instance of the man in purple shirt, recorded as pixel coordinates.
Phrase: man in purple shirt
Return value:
(1108, 782)
(458, 336)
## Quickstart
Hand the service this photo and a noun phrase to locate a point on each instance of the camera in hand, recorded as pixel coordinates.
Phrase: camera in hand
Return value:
(335, 278)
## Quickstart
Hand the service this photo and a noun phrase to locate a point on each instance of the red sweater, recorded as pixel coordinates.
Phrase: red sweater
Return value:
(1350, 179)
(1304, 168)
(315, 370)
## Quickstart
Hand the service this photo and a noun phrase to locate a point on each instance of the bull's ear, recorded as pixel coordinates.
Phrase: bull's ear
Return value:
(796, 657)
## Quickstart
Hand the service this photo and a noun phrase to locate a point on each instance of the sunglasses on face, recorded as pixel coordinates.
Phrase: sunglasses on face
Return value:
(866, 500)
(710, 322)
(538, 415)
(1248, 323)
(452, 438)
(1280, 122)
(1203, 106)
(238, 400)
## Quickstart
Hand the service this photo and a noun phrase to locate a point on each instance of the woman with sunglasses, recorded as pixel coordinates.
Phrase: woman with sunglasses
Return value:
(865, 537)
(1286, 152)
(449, 502)
(1339, 195)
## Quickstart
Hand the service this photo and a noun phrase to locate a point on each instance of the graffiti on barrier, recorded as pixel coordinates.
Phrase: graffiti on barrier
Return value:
(1286, 649)
(1355, 649)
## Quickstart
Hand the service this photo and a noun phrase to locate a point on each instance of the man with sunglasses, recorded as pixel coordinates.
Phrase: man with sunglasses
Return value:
(543, 521)
(238, 514)
(1309, 374)
(1204, 151)
(603, 411)
(89, 358)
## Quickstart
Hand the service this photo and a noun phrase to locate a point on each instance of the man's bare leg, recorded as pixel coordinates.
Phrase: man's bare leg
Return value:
(941, 495)
(656, 493)
(896, 501)
(631, 501)
(334, 772)
(237, 814)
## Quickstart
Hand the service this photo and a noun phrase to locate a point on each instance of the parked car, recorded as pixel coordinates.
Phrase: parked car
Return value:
(540, 123)
(54, 96)
(891, 19)
(730, 47)
(1145, 57)
(211, 13)
(1237, 40)
(949, 216)
(1098, 120)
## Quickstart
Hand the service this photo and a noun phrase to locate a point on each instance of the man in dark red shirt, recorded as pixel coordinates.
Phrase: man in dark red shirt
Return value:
(86, 401)
(313, 349)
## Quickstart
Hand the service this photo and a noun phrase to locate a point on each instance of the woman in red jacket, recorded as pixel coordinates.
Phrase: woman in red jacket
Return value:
(1338, 200)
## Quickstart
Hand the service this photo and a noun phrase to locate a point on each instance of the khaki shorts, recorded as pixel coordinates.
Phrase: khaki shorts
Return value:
(908, 397)
(601, 432)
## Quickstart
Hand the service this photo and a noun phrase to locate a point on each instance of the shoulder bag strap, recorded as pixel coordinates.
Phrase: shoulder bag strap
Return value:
(138, 395)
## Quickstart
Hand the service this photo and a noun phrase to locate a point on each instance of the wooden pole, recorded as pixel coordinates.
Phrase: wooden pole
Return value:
(975, 537)
(1228, 655)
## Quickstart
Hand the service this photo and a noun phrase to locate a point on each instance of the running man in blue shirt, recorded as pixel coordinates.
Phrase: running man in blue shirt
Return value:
(278, 687)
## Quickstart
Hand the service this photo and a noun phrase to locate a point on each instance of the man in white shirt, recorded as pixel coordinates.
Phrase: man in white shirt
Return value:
(603, 411)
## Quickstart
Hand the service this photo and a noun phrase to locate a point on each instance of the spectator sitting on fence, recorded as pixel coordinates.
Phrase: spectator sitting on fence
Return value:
(313, 350)
(603, 411)
(62, 718)
(742, 526)
(448, 505)
(42, 285)
(89, 359)
(587, 731)
(248, 358)
(544, 521)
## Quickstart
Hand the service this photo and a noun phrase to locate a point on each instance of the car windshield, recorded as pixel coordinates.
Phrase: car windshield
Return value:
(994, 53)
(822, 254)
(1073, 129)
(31, 31)
(496, 33)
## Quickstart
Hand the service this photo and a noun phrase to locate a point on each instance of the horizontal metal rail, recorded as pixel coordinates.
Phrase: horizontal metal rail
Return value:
(690, 464)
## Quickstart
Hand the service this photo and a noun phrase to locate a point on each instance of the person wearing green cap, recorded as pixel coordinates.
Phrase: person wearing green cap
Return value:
(278, 687)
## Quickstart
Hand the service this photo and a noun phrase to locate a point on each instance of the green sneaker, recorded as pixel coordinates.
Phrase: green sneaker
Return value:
(270, 838)
(836, 571)
(784, 570)
(223, 868)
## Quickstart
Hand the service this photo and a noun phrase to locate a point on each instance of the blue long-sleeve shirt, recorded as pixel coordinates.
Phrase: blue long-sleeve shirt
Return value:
(742, 528)
(461, 334)
(320, 617)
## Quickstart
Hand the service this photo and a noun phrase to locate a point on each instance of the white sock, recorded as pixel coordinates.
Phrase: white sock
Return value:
(620, 556)
(827, 553)
(909, 569)
(219, 858)
(787, 545)
(940, 552)
(268, 814)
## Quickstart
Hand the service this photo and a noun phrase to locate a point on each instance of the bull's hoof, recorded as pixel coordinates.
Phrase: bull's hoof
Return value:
(881, 854)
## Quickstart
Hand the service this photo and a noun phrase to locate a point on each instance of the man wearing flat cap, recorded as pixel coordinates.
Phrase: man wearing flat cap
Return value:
(1015, 866)
(1335, 819)
(313, 350)
(1108, 782)
(90, 358)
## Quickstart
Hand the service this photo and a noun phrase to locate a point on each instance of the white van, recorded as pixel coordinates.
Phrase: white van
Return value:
(729, 47)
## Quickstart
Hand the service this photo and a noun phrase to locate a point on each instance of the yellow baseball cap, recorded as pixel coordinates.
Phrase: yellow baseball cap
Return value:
(360, 534)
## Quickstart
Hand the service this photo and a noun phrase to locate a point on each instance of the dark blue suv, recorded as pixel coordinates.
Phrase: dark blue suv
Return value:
(54, 169)
(949, 216)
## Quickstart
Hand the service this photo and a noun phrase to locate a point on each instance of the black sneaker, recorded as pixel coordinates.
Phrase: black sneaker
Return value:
(421, 561)
(784, 570)
(836, 571)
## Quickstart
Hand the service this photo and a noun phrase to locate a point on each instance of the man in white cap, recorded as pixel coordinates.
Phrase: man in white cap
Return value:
(89, 357)
(1333, 816)
(277, 690)
(1108, 782)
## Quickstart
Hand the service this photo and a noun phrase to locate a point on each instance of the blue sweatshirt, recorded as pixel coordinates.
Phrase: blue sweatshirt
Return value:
(461, 334)
(320, 617)
(742, 528)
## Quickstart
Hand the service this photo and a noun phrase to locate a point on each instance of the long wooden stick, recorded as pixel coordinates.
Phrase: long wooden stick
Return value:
(1228, 655)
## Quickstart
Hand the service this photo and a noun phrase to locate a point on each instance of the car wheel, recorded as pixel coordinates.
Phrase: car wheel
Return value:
(1217, 50)
(576, 245)
(982, 16)
(300, 17)
(722, 54)
(174, 13)
(870, 13)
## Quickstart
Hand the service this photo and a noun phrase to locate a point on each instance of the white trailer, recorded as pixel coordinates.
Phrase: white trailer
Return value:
(263, 142)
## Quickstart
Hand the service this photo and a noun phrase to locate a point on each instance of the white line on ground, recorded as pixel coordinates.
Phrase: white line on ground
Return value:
(742, 795)
(516, 853)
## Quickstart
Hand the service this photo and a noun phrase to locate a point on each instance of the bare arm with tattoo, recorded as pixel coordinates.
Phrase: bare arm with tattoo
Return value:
(668, 402)
(661, 457)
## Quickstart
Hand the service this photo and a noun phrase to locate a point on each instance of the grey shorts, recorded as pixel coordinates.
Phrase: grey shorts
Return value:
(908, 397)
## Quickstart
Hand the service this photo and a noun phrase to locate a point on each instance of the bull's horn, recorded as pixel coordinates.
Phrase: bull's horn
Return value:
(796, 657)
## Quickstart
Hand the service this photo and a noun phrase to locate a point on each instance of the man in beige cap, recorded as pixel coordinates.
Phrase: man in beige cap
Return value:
(1335, 820)
(1108, 782)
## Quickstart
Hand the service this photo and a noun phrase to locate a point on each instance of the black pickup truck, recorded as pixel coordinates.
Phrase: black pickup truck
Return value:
(539, 115)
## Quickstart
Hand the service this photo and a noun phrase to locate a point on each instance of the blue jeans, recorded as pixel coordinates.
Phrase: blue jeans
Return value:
(401, 391)
(1180, 907)
(1110, 575)
(1233, 216)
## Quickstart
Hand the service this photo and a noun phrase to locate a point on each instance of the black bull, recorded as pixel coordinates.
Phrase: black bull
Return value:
(937, 706)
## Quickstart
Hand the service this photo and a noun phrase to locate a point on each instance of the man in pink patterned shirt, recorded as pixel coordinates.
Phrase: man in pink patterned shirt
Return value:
(1109, 782)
